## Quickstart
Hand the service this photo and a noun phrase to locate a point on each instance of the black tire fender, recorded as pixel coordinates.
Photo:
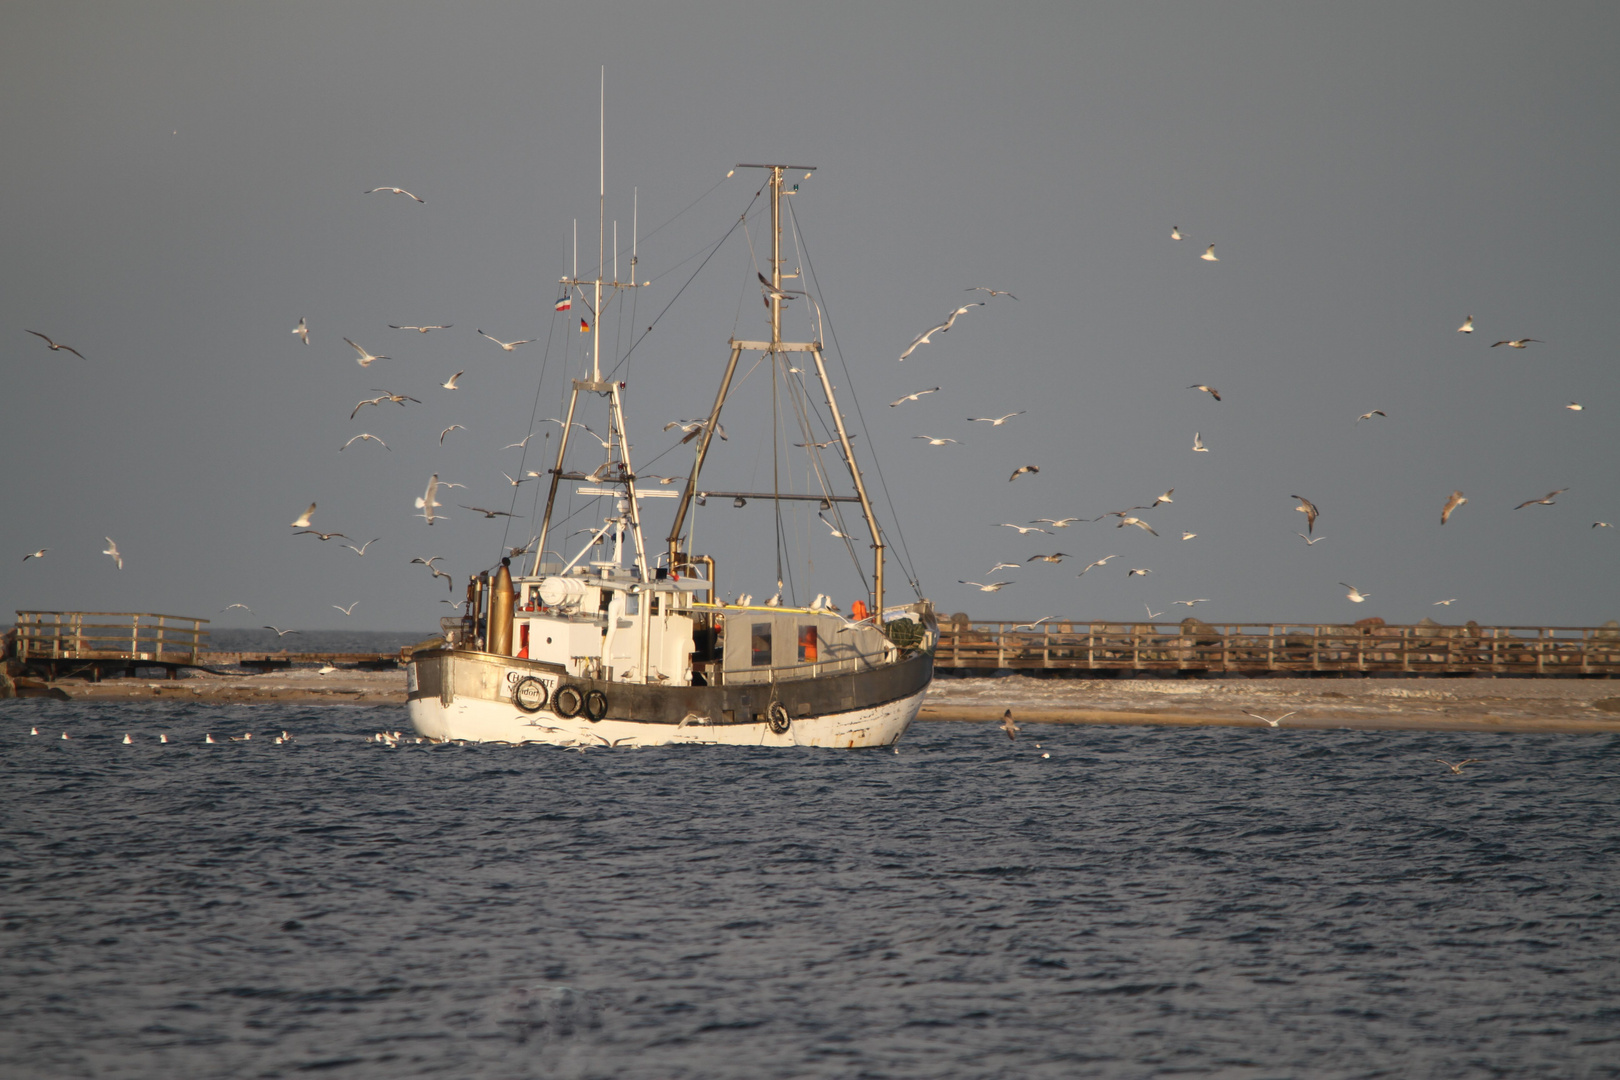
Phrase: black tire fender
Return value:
(595, 705)
(567, 702)
(529, 694)
(778, 719)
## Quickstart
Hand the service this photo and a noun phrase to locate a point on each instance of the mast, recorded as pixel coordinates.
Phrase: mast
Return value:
(776, 346)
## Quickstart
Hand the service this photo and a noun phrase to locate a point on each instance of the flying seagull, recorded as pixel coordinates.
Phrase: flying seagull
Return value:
(1138, 573)
(112, 549)
(1138, 522)
(1021, 470)
(913, 397)
(392, 191)
(508, 345)
(302, 520)
(1467, 327)
(1165, 498)
(1198, 444)
(1370, 415)
(1004, 566)
(1057, 523)
(397, 399)
(993, 292)
(992, 587)
(1595, 525)
(1210, 390)
(55, 347)
(323, 536)
(1457, 767)
(925, 337)
(1457, 499)
(280, 633)
(368, 401)
(1308, 541)
(1355, 595)
(361, 550)
(1190, 603)
(1009, 727)
(426, 501)
(1055, 557)
(365, 358)
(40, 554)
(1209, 254)
(1023, 530)
(933, 441)
(487, 513)
(834, 529)
(366, 436)
(1269, 720)
(1310, 511)
(995, 421)
(1574, 406)
(448, 430)
(1545, 500)
(1175, 233)
(1518, 343)
(421, 329)
(1033, 625)
(302, 330)
(347, 610)
(228, 607)
(450, 383)
(1444, 603)
(1151, 613)
(1099, 562)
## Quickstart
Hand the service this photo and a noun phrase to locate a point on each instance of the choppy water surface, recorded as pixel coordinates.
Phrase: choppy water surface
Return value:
(1145, 902)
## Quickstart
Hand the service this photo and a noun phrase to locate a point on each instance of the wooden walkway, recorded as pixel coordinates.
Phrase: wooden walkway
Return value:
(1107, 649)
(97, 643)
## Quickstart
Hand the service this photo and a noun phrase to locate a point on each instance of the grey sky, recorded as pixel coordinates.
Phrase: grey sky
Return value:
(184, 181)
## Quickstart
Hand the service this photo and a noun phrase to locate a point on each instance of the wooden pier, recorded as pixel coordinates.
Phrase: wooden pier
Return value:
(99, 643)
(1196, 648)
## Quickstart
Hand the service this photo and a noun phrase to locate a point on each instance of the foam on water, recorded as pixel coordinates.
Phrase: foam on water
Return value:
(1216, 901)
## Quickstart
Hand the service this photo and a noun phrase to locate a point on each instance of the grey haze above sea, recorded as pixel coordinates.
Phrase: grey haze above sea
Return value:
(1233, 902)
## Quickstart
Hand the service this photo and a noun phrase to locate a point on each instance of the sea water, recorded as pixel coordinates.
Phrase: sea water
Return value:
(1142, 902)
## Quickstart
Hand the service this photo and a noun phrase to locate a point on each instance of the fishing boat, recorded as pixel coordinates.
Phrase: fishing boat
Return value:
(623, 646)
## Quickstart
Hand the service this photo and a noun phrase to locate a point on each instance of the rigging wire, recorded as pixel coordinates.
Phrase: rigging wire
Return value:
(539, 385)
(877, 464)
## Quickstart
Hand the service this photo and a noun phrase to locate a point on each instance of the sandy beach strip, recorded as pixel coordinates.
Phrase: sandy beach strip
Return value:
(1549, 705)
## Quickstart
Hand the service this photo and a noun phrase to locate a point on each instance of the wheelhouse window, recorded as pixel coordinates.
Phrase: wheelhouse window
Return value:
(761, 638)
(807, 644)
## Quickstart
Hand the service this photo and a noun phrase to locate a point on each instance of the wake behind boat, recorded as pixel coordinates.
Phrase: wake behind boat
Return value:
(616, 647)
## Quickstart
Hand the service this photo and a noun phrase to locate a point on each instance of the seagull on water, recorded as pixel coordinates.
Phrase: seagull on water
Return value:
(1274, 723)
(995, 421)
(1198, 444)
(421, 329)
(1456, 499)
(1210, 390)
(365, 358)
(40, 554)
(392, 191)
(1370, 415)
(302, 330)
(1023, 530)
(55, 347)
(1457, 767)
(508, 345)
(1209, 254)
(127, 740)
(361, 550)
(1310, 511)
(1545, 500)
(1099, 562)
(448, 430)
(280, 633)
(450, 383)
(1308, 540)
(1355, 595)
(302, 520)
(933, 441)
(365, 436)
(1021, 470)
(1467, 327)
(1009, 727)
(112, 549)
(994, 586)
(347, 610)
(913, 397)
(1518, 343)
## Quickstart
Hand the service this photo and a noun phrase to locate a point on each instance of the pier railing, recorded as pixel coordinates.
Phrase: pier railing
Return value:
(132, 637)
(1279, 648)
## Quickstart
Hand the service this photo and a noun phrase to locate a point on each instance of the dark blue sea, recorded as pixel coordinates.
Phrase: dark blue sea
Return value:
(1144, 902)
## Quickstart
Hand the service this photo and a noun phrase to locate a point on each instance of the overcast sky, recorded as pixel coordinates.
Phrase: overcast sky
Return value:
(183, 182)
